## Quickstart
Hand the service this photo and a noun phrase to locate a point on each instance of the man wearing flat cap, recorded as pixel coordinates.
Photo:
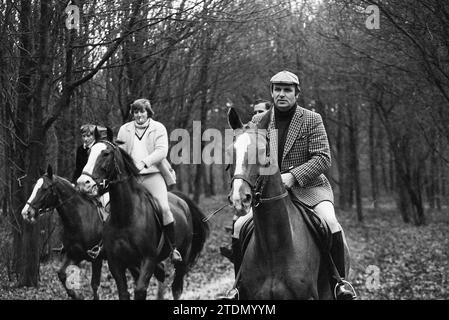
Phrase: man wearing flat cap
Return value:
(298, 141)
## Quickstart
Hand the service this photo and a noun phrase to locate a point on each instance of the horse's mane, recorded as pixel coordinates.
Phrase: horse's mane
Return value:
(132, 170)
(128, 162)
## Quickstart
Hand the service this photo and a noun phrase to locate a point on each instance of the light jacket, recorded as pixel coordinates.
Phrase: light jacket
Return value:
(156, 143)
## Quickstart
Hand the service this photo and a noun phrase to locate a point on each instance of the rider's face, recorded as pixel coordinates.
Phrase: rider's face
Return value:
(284, 96)
(260, 108)
(87, 138)
(140, 115)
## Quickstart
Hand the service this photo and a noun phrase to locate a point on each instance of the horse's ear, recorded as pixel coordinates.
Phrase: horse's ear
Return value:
(234, 119)
(50, 171)
(109, 134)
(96, 134)
(41, 172)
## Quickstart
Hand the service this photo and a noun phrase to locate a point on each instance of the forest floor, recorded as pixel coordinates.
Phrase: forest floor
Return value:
(391, 260)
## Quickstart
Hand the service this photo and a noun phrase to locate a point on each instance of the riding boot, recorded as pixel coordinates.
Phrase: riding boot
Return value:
(343, 289)
(169, 231)
(236, 255)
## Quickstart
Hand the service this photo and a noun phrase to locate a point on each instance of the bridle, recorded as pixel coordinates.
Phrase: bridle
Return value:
(104, 184)
(257, 189)
(54, 194)
(258, 186)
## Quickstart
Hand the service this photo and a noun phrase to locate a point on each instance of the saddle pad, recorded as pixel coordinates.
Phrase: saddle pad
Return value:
(317, 225)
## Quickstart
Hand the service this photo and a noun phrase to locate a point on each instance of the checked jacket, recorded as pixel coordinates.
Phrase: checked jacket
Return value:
(306, 153)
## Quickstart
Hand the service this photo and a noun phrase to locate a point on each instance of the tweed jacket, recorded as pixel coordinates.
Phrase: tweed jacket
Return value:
(306, 155)
(157, 143)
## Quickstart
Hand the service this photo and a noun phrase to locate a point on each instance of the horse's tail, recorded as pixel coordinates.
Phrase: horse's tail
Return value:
(200, 228)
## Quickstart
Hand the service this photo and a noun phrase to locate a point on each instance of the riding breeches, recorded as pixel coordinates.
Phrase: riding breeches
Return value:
(155, 184)
(326, 211)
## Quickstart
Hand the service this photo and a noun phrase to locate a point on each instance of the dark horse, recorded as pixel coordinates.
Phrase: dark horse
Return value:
(282, 260)
(132, 238)
(82, 225)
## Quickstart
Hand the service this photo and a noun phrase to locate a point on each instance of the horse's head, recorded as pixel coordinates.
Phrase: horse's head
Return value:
(100, 168)
(43, 198)
(107, 164)
(250, 160)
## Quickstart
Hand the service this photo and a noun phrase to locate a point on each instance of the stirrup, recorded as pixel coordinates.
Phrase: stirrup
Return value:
(342, 283)
(231, 294)
(176, 256)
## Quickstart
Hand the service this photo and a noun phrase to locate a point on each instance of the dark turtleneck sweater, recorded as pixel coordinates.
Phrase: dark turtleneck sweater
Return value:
(282, 122)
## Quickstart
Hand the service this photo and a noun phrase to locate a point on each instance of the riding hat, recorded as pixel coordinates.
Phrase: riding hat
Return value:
(285, 77)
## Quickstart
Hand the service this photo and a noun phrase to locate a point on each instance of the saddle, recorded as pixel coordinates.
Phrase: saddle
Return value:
(317, 226)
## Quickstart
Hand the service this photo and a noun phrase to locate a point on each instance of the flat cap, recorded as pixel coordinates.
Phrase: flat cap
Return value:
(285, 77)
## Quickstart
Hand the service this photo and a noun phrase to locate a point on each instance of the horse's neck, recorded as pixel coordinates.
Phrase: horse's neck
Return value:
(69, 202)
(272, 220)
(122, 201)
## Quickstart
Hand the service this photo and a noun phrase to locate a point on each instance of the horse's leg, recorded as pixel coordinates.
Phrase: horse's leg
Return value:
(96, 277)
(63, 277)
(146, 271)
(119, 274)
(178, 281)
(160, 290)
(159, 274)
(134, 273)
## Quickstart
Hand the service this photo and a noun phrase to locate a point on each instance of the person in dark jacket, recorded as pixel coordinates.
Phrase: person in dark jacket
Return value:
(82, 152)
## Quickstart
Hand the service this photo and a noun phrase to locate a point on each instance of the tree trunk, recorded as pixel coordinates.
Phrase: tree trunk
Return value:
(341, 163)
(373, 159)
(353, 147)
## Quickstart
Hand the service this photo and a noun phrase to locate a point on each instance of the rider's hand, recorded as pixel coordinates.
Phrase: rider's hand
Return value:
(140, 165)
(288, 179)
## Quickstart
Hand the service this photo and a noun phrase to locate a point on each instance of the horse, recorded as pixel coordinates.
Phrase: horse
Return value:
(133, 237)
(82, 225)
(282, 260)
